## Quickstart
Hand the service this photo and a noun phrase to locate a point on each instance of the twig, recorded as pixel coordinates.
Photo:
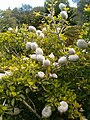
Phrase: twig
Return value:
(14, 51)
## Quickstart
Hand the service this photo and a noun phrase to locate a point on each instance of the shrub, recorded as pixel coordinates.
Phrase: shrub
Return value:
(41, 86)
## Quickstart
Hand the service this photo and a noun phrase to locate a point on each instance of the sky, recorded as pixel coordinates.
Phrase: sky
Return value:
(4, 4)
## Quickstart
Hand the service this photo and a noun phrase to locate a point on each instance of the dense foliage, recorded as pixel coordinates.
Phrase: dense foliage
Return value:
(45, 74)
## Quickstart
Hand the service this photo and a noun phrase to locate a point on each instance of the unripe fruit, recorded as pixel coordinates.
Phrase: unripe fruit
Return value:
(41, 74)
(82, 44)
(46, 63)
(71, 51)
(64, 15)
(34, 45)
(46, 112)
(63, 107)
(62, 6)
(39, 51)
(62, 60)
(73, 58)
(40, 58)
(28, 45)
(32, 29)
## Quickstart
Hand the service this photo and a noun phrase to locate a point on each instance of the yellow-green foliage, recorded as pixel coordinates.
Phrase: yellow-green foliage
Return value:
(24, 93)
(72, 33)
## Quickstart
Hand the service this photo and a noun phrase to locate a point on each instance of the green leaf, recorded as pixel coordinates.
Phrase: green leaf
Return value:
(13, 102)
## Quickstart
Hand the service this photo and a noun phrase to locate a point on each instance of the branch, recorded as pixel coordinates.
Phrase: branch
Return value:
(31, 109)
(31, 102)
